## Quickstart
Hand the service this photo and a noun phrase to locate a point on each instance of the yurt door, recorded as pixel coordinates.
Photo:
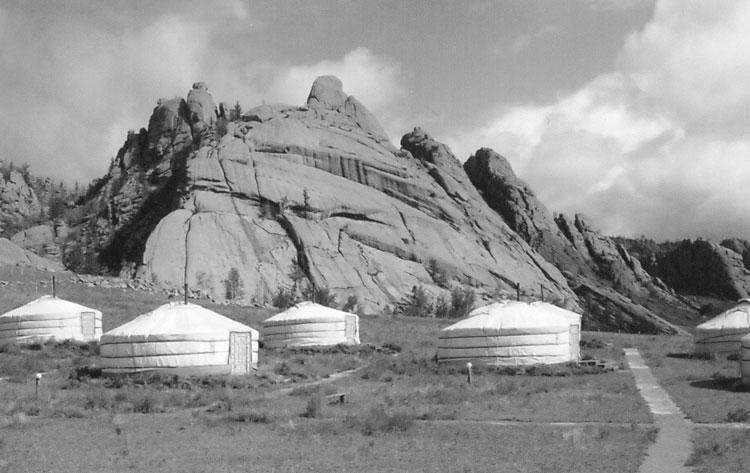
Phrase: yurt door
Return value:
(239, 352)
(575, 342)
(88, 325)
(350, 328)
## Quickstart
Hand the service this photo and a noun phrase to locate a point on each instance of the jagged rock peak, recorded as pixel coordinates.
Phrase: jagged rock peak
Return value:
(426, 149)
(202, 107)
(327, 92)
(493, 162)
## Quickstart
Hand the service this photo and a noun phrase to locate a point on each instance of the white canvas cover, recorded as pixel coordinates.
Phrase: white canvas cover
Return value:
(722, 334)
(508, 333)
(309, 324)
(180, 337)
(575, 326)
(50, 318)
(745, 359)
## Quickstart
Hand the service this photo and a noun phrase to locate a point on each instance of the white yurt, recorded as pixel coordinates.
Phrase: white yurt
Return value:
(722, 334)
(509, 333)
(50, 318)
(308, 324)
(182, 338)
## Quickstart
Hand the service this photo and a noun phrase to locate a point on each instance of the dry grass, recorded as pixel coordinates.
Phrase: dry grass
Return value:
(398, 403)
(707, 389)
(179, 442)
(720, 451)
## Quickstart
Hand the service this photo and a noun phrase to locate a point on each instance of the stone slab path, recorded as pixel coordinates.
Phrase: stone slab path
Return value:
(673, 445)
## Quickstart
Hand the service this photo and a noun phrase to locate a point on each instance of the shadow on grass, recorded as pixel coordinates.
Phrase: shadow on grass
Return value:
(722, 384)
(691, 356)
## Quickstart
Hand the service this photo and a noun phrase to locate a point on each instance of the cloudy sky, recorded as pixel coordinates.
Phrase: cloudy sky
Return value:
(634, 113)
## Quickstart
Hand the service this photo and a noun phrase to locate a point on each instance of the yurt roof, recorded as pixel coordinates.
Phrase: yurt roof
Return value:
(511, 316)
(570, 315)
(737, 316)
(308, 311)
(47, 305)
(178, 318)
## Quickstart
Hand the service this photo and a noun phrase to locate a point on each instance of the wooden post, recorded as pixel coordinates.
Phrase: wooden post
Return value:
(53, 286)
(542, 286)
(468, 369)
(186, 289)
(518, 291)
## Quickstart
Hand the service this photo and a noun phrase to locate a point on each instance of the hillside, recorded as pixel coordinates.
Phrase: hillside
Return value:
(290, 199)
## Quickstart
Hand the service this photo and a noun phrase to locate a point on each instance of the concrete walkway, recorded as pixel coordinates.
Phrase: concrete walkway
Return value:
(673, 445)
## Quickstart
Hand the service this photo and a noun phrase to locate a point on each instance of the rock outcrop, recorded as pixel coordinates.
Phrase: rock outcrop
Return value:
(705, 268)
(18, 203)
(303, 195)
(518, 205)
(12, 254)
(591, 261)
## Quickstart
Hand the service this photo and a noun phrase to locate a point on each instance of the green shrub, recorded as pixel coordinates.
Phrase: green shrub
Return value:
(379, 419)
(285, 298)
(351, 304)
(438, 272)
(738, 415)
(416, 304)
(324, 296)
(145, 402)
(252, 415)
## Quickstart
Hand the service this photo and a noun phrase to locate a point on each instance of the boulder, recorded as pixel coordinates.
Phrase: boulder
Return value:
(12, 254)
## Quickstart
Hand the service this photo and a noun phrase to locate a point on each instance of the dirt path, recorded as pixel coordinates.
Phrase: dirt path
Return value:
(673, 445)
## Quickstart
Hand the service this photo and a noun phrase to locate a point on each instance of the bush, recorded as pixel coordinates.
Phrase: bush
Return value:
(284, 298)
(324, 296)
(252, 415)
(351, 304)
(462, 302)
(739, 415)
(379, 419)
(416, 304)
(233, 285)
(438, 272)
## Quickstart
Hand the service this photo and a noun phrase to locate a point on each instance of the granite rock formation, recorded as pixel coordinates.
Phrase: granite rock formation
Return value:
(312, 195)
(593, 263)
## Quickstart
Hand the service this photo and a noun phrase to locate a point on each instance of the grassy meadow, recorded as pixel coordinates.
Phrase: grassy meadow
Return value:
(403, 411)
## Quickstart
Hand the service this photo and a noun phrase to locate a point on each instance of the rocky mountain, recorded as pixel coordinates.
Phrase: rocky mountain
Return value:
(592, 263)
(13, 255)
(287, 197)
(302, 195)
(19, 204)
(699, 267)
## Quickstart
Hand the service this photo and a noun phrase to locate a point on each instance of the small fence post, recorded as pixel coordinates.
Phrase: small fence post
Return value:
(468, 369)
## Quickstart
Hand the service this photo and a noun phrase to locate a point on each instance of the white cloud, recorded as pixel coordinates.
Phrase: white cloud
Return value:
(657, 147)
(523, 42)
(72, 91)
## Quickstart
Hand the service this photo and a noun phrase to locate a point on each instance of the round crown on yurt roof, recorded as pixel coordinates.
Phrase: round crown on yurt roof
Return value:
(177, 318)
